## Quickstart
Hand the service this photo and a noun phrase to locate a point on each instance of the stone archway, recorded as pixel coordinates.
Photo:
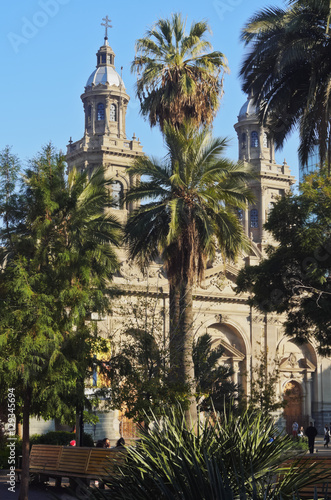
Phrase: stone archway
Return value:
(234, 350)
(293, 410)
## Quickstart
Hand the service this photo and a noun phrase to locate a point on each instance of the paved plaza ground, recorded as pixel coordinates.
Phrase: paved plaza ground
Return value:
(52, 493)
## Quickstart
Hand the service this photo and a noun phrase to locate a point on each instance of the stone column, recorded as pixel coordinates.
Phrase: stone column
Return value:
(309, 381)
(107, 116)
(93, 117)
(260, 136)
(248, 144)
(235, 366)
(262, 212)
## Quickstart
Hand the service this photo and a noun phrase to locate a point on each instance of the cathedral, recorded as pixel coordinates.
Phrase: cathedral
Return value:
(243, 332)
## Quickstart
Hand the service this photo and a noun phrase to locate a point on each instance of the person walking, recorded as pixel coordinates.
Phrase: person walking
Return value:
(311, 433)
(295, 428)
(326, 436)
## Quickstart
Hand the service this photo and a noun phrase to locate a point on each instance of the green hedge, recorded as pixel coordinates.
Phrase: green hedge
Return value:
(62, 438)
(52, 437)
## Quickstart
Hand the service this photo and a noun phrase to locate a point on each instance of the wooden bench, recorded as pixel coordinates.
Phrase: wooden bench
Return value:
(322, 466)
(71, 462)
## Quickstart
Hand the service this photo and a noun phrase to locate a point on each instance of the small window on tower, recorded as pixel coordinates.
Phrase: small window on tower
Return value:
(243, 140)
(254, 139)
(112, 113)
(254, 218)
(89, 114)
(101, 111)
(103, 58)
(240, 214)
(109, 61)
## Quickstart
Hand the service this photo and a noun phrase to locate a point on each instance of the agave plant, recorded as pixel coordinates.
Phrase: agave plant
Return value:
(234, 457)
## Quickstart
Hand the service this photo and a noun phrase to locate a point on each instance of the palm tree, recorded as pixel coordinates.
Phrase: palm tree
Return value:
(215, 389)
(188, 210)
(177, 77)
(288, 70)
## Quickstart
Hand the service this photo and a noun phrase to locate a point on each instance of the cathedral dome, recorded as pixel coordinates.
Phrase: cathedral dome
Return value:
(104, 74)
(248, 109)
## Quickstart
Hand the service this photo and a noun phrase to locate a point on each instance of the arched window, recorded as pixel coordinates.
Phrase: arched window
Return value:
(254, 218)
(101, 111)
(243, 140)
(265, 140)
(117, 193)
(112, 113)
(254, 139)
(240, 214)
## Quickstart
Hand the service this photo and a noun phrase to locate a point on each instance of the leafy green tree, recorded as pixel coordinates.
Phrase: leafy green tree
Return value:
(139, 364)
(287, 68)
(295, 277)
(214, 386)
(57, 264)
(188, 211)
(177, 77)
(264, 379)
(9, 170)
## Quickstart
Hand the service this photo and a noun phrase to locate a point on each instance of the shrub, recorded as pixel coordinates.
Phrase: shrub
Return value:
(232, 457)
(62, 438)
(52, 437)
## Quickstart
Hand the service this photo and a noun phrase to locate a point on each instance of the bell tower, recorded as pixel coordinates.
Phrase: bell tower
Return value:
(105, 142)
(256, 146)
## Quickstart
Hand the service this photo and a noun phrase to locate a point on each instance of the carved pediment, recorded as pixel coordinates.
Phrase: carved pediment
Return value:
(292, 364)
(220, 278)
(231, 351)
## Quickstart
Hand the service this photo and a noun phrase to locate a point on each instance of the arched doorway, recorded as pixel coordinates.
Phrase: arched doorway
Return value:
(293, 409)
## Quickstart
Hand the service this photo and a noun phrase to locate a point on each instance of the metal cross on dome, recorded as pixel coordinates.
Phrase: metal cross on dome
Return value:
(107, 25)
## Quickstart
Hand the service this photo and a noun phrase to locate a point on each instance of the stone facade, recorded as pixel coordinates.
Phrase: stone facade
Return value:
(243, 332)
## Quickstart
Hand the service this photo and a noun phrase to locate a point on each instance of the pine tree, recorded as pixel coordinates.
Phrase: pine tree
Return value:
(57, 263)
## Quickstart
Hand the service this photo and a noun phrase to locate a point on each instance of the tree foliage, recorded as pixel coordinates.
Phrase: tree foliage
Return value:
(178, 78)
(9, 170)
(214, 386)
(138, 369)
(295, 277)
(57, 263)
(233, 458)
(188, 211)
(287, 67)
(264, 378)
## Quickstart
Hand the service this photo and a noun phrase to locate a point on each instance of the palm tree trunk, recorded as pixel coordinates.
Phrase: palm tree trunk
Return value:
(174, 335)
(186, 371)
(329, 149)
(24, 487)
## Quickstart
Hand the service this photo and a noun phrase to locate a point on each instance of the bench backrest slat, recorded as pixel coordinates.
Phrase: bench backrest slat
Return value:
(74, 460)
(45, 457)
(69, 460)
(104, 462)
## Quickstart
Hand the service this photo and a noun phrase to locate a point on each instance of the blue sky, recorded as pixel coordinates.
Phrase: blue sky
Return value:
(48, 51)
